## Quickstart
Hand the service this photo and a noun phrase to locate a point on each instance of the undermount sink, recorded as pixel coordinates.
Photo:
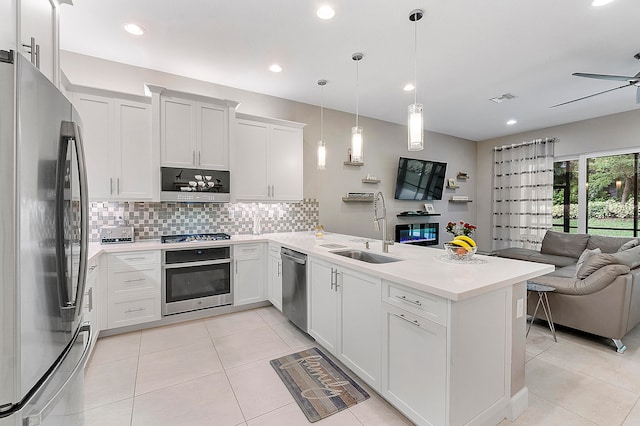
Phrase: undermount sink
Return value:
(364, 256)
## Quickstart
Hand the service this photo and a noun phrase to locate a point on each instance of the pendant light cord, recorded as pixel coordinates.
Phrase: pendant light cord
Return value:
(357, 89)
(415, 62)
(322, 112)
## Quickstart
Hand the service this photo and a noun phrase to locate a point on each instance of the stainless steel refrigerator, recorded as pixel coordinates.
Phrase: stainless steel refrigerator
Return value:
(44, 342)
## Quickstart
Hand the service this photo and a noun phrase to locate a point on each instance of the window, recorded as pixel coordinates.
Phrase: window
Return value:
(565, 196)
(608, 203)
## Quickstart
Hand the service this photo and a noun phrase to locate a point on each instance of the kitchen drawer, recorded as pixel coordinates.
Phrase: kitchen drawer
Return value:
(247, 250)
(274, 250)
(142, 279)
(133, 310)
(425, 305)
(134, 258)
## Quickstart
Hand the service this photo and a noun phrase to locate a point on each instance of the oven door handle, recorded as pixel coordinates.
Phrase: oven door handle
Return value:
(190, 264)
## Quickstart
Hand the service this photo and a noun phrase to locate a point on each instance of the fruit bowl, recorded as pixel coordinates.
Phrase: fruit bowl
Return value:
(456, 252)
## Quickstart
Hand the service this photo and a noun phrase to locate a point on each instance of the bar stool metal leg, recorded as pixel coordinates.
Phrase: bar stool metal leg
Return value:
(533, 317)
(547, 312)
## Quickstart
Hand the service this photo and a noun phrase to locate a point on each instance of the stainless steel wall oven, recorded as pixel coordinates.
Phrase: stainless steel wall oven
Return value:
(196, 278)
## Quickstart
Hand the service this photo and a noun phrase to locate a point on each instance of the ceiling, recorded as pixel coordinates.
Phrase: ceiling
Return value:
(468, 52)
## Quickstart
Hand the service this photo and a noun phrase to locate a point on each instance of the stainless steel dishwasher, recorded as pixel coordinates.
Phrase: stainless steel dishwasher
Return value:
(294, 287)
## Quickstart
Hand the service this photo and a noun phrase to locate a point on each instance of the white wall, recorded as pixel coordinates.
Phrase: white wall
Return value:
(384, 143)
(611, 132)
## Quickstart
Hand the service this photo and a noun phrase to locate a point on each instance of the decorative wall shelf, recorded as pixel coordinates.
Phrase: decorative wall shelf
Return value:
(370, 180)
(462, 175)
(453, 187)
(357, 199)
(351, 163)
(416, 214)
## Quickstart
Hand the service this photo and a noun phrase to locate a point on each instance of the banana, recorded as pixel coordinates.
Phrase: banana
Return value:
(461, 243)
(466, 239)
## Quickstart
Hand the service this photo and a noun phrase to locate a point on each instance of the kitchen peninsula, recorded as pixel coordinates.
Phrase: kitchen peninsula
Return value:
(443, 342)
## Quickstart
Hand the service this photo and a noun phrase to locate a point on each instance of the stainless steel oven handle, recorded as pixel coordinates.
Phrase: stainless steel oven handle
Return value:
(189, 264)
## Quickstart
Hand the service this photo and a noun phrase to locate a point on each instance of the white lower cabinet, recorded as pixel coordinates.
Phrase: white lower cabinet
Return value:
(134, 292)
(344, 317)
(274, 288)
(90, 302)
(248, 274)
(414, 365)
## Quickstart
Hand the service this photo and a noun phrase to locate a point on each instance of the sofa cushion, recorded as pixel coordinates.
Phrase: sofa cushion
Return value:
(564, 272)
(564, 244)
(630, 257)
(594, 263)
(586, 254)
(629, 245)
(606, 244)
(535, 256)
(593, 283)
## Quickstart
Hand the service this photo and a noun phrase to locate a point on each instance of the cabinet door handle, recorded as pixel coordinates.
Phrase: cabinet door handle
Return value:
(193, 158)
(135, 281)
(337, 285)
(236, 267)
(279, 266)
(89, 295)
(199, 162)
(118, 185)
(402, 317)
(33, 51)
(111, 186)
(413, 302)
(332, 281)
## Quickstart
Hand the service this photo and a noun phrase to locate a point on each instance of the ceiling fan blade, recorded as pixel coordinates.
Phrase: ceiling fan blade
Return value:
(606, 76)
(596, 94)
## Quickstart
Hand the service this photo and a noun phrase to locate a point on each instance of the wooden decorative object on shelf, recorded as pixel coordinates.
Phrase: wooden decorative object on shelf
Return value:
(370, 180)
(350, 163)
(463, 175)
(357, 199)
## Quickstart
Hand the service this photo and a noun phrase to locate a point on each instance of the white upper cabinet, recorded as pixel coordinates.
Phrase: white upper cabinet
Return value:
(38, 20)
(193, 129)
(267, 159)
(121, 161)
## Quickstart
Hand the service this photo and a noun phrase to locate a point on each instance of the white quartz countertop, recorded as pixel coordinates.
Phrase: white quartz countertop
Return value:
(422, 268)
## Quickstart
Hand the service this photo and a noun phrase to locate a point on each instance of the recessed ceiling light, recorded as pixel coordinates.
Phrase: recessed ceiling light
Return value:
(597, 3)
(325, 12)
(275, 68)
(408, 87)
(134, 29)
(511, 122)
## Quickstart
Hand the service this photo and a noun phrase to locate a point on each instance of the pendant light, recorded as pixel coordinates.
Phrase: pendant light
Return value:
(322, 149)
(415, 125)
(357, 142)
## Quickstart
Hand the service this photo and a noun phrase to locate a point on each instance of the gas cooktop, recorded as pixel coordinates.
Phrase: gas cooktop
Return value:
(194, 237)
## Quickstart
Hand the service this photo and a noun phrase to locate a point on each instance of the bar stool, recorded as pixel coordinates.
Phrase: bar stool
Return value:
(543, 300)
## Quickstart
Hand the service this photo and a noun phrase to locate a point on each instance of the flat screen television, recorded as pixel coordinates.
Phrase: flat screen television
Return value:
(420, 179)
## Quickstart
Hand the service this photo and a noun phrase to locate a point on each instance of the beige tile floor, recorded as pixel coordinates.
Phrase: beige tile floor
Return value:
(216, 371)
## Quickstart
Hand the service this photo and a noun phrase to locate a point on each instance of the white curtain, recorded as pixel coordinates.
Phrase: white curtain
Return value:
(522, 193)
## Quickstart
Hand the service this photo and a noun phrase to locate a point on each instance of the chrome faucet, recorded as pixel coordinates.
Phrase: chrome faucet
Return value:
(379, 197)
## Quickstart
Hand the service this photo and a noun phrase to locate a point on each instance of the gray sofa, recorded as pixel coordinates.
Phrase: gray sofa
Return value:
(597, 281)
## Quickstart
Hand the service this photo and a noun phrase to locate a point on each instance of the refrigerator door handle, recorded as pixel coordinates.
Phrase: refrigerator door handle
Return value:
(71, 308)
(37, 418)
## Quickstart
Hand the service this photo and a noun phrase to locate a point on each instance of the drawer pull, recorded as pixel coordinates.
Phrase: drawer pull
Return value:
(128, 311)
(135, 281)
(413, 302)
(402, 317)
(135, 258)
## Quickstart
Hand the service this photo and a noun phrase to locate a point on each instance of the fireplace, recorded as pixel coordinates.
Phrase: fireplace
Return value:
(421, 234)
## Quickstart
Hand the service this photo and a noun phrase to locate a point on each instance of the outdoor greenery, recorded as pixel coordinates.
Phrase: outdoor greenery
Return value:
(610, 194)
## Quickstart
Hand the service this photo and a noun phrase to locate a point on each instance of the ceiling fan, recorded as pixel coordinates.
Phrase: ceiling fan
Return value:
(631, 81)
